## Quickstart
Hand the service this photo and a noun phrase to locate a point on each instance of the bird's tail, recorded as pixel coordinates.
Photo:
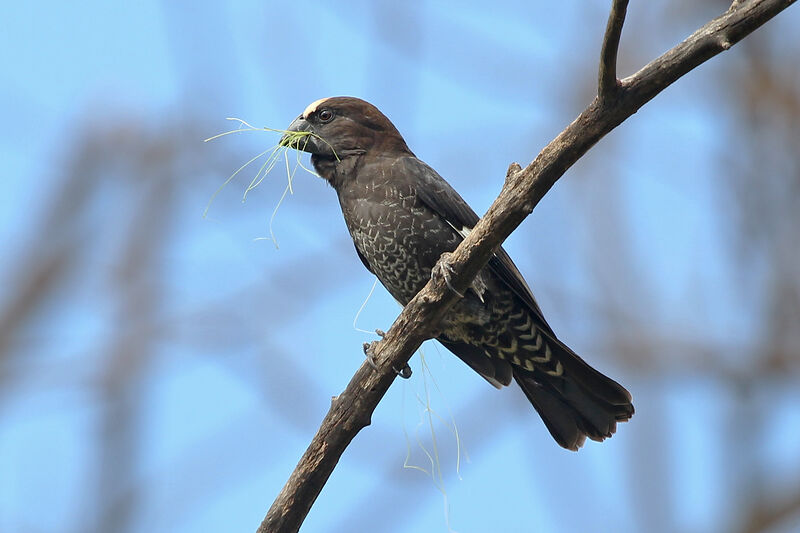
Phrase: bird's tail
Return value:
(576, 403)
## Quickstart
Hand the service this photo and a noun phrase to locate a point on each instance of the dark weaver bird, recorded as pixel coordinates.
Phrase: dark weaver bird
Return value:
(402, 217)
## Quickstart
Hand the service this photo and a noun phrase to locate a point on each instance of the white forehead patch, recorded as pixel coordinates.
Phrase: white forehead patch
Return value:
(313, 107)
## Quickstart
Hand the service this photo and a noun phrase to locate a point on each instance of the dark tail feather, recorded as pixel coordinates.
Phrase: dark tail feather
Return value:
(580, 403)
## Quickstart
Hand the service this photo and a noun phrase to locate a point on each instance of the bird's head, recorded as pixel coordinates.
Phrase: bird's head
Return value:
(340, 128)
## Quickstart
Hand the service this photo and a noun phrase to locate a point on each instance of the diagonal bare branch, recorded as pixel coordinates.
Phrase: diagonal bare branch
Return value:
(524, 188)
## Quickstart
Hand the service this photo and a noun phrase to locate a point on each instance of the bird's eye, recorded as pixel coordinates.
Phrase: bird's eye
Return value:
(326, 115)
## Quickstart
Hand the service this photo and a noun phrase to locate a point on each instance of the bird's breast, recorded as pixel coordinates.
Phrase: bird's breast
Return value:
(400, 239)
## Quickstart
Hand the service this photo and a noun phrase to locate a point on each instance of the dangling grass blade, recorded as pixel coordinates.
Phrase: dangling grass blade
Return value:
(290, 139)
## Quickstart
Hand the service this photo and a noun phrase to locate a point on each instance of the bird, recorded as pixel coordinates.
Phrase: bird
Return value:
(402, 216)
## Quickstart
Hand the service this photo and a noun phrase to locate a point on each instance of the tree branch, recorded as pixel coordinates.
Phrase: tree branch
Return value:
(765, 517)
(607, 83)
(524, 188)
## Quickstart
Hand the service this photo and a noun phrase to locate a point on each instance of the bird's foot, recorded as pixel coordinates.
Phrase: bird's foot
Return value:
(369, 351)
(443, 268)
(404, 372)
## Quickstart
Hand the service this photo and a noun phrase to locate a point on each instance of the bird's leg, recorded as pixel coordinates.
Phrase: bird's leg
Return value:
(443, 268)
(369, 351)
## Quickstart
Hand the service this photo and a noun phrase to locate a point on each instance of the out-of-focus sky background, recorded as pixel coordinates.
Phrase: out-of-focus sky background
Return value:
(163, 372)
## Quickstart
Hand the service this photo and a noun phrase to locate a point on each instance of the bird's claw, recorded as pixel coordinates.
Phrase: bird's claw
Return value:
(404, 372)
(369, 351)
(443, 268)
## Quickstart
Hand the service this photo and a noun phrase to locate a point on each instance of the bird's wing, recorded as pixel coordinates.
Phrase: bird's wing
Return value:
(441, 198)
(363, 259)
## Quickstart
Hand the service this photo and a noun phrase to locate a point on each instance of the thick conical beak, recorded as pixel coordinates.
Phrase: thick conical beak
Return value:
(299, 124)
(310, 142)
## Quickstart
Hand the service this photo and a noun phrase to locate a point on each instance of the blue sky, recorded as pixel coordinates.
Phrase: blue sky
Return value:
(223, 409)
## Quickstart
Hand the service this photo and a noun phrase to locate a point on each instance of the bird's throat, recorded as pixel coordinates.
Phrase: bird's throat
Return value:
(325, 166)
